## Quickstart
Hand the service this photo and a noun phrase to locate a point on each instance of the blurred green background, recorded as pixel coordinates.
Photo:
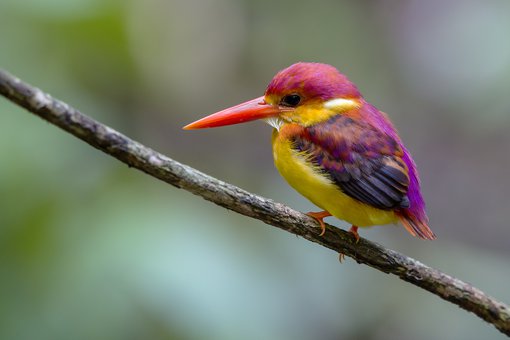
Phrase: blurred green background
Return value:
(90, 249)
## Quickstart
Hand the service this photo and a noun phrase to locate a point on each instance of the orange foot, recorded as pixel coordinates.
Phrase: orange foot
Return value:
(319, 216)
(354, 232)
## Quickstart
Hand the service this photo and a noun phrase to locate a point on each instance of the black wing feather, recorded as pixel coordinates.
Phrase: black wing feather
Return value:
(364, 162)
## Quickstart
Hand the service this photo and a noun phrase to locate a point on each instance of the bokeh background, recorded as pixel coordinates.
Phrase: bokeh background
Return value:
(90, 249)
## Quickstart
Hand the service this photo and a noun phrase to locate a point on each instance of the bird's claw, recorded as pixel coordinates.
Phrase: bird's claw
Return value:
(320, 216)
(354, 232)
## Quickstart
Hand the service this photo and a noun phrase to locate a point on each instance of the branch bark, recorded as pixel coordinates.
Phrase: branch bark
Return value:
(231, 197)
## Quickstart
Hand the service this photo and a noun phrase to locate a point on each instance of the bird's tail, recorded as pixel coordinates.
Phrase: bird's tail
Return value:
(417, 227)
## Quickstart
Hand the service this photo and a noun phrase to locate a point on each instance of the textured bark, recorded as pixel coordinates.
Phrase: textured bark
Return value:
(231, 197)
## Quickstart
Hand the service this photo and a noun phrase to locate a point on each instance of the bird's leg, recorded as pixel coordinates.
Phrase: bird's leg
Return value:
(320, 216)
(354, 231)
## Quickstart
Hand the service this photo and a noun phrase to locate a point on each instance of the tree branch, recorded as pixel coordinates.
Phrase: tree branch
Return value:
(231, 197)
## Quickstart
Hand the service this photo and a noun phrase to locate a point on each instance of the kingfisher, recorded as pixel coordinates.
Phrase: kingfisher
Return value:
(335, 148)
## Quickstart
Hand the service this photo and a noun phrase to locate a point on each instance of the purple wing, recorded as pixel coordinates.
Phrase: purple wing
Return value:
(364, 162)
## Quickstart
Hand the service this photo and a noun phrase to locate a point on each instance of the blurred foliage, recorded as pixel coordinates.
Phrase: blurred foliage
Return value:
(90, 249)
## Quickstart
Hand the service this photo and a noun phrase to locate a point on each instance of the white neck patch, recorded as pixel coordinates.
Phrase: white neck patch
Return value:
(341, 104)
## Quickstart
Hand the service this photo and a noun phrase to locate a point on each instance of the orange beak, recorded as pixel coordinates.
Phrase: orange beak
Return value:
(251, 110)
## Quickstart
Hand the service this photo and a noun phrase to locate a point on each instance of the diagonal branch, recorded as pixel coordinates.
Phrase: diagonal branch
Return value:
(231, 197)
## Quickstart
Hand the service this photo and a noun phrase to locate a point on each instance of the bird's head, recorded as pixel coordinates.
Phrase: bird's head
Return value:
(303, 93)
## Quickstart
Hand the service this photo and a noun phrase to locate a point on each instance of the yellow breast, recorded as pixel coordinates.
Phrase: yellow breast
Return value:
(306, 178)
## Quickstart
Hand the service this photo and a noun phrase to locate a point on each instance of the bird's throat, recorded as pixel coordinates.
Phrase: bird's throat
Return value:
(275, 122)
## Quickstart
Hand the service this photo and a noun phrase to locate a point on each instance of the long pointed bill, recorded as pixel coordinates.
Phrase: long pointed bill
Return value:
(245, 112)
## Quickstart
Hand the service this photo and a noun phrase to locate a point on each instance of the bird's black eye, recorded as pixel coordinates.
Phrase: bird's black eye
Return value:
(291, 100)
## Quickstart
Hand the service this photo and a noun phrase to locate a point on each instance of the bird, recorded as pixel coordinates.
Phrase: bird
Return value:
(335, 148)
